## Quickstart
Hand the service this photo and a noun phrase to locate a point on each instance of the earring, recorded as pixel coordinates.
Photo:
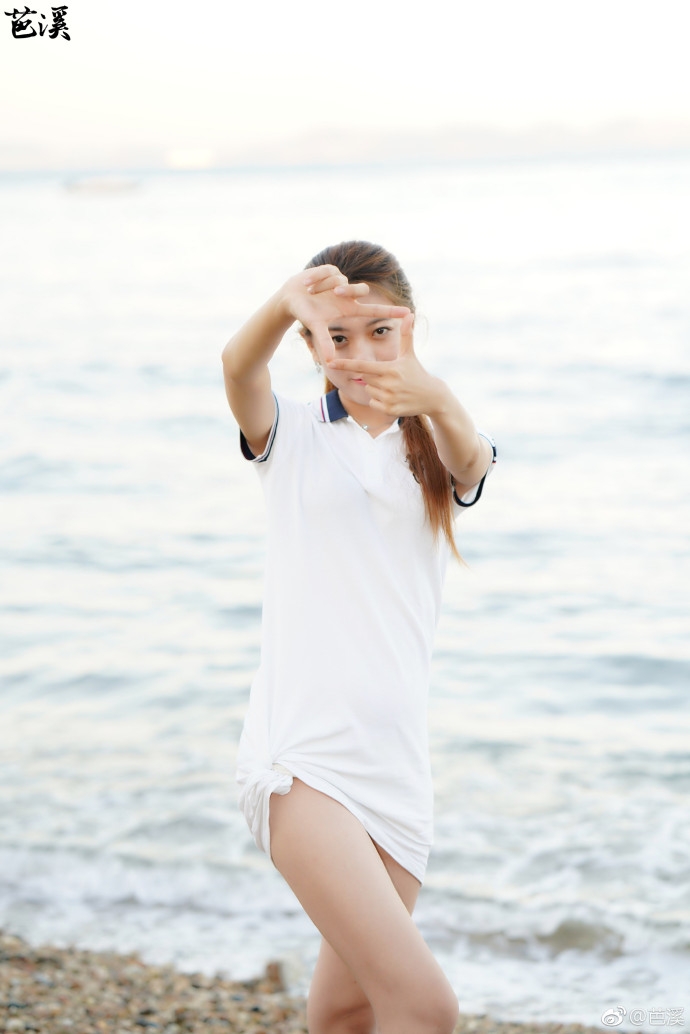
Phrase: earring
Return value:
(317, 367)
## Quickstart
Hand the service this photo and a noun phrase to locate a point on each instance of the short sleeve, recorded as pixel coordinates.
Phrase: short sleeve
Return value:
(473, 495)
(286, 438)
(244, 446)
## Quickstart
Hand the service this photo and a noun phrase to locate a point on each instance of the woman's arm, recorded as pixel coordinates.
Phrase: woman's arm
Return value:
(316, 297)
(245, 371)
(466, 454)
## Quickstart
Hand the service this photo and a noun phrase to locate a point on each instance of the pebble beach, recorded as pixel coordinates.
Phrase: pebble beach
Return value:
(53, 990)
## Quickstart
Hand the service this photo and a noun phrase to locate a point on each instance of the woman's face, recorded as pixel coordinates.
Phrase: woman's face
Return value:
(359, 337)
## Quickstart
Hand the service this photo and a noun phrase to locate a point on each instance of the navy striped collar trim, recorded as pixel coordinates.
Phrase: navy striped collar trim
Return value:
(330, 408)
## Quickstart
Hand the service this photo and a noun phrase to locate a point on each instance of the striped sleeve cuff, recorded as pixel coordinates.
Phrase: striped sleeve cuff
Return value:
(473, 495)
(244, 445)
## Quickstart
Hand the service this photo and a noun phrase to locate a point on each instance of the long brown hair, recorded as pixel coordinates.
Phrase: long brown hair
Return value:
(362, 262)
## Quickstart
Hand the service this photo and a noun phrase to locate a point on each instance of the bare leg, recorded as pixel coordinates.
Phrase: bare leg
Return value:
(335, 870)
(336, 1003)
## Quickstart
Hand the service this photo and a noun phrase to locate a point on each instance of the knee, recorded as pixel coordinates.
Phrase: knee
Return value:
(324, 1019)
(439, 1013)
(447, 1015)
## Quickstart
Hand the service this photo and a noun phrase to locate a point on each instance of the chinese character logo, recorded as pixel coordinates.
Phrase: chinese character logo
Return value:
(613, 1017)
(667, 1017)
(24, 25)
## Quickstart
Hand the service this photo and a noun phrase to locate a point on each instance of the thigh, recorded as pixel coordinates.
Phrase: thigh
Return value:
(336, 1000)
(407, 885)
(345, 886)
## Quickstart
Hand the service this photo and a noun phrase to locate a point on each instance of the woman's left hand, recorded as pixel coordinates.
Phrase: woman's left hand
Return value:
(401, 386)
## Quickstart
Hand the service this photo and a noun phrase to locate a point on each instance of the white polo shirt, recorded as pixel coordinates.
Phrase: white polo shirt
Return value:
(352, 597)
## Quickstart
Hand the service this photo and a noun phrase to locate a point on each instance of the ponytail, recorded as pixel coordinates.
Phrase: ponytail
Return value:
(432, 477)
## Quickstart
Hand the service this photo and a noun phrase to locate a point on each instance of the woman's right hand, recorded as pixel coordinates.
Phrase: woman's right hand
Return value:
(322, 294)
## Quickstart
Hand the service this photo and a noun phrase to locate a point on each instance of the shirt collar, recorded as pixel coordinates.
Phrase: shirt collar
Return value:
(329, 408)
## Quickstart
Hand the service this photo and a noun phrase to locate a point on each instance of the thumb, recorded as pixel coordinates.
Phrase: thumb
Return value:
(322, 340)
(406, 335)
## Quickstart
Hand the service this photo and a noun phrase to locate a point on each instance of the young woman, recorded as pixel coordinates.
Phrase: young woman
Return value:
(361, 488)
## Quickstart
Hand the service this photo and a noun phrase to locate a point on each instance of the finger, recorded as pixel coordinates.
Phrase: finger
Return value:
(327, 283)
(367, 367)
(379, 402)
(317, 273)
(351, 290)
(323, 342)
(386, 312)
(375, 404)
(406, 335)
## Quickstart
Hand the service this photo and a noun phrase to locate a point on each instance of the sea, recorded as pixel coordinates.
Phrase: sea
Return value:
(554, 298)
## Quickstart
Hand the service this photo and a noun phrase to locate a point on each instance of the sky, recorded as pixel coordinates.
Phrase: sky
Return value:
(149, 81)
